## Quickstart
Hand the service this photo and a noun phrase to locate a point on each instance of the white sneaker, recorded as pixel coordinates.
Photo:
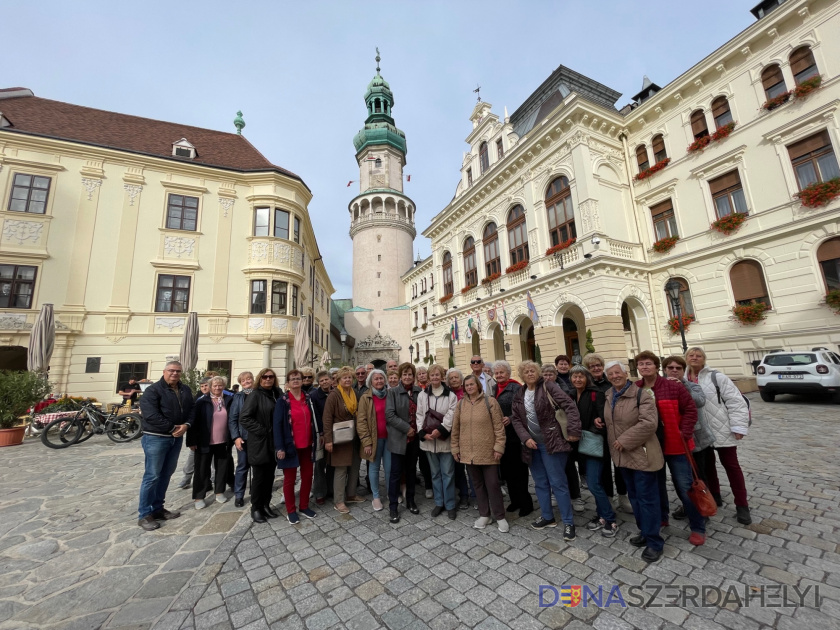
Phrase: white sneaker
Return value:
(482, 522)
(578, 505)
(504, 526)
(377, 505)
(200, 504)
(430, 494)
(504, 491)
(221, 498)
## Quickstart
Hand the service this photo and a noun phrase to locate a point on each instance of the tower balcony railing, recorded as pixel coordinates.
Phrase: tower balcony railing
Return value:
(381, 218)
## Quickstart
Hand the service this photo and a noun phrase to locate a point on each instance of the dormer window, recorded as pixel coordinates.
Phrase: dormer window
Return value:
(183, 148)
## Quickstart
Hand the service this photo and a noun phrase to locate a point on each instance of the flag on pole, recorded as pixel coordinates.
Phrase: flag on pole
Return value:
(504, 315)
(408, 178)
(456, 331)
(452, 332)
(478, 323)
(532, 310)
(348, 183)
(469, 328)
(491, 313)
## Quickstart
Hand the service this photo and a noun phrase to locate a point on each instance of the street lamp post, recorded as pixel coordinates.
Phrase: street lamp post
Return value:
(673, 289)
(411, 352)
(343, 335)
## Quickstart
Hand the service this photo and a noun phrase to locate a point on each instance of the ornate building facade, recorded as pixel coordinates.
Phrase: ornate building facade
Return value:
(588, 211)
(126, 224)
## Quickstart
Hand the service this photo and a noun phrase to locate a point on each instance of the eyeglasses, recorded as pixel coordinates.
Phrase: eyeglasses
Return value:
(173, 371)
(674, 367)
(308, 378)
(476, 362)
(267, 377)
(361, 373)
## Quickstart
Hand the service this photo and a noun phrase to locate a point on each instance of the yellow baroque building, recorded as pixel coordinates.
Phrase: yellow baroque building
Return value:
(591, 210)
(126, 224)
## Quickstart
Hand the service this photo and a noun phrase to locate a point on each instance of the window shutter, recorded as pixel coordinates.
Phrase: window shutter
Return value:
(698, 123)
(725, 181)
(658, 144)
(720, 106)
(771, 76)
(661, 208)
(801, 59)
(809, 144)
(830, 250)
(747, 281)
(641, 155)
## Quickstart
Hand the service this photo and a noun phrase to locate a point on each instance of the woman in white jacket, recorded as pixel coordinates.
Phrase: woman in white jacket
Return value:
(728, 417)
(439, 402)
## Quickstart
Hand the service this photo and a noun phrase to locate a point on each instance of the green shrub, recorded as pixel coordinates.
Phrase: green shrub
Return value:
(18, 392)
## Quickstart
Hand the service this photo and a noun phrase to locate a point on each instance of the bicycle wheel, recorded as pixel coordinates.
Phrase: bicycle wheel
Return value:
(61, 433)
(123, 428)
(86, 424)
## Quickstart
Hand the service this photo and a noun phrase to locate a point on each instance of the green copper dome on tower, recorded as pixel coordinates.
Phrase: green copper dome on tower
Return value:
(379, 126)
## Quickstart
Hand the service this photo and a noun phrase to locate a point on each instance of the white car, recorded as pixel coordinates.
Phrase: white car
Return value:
(815, 371)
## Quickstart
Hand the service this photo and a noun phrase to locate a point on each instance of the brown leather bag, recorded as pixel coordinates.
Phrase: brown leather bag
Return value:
(699, 493)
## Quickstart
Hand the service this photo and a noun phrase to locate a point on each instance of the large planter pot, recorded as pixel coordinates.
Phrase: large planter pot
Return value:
(12, 437)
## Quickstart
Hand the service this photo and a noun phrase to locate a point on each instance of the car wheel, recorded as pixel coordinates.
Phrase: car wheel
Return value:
(767, 396)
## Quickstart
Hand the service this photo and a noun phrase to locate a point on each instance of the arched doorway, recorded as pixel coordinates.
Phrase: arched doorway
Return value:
(379, 364)
(526, 340)
(498, 338)
(475, 344)
(570, 334)
(637, 337)
(13, 358)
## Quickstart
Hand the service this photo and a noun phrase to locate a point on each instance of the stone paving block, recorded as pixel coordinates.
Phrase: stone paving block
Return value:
(310, 605)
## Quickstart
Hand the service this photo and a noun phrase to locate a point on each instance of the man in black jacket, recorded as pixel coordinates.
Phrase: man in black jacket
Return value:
(166, 407)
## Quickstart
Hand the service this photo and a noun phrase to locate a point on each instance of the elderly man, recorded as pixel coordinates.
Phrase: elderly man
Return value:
(166, 407)
(391, 365)
(360, 386)
(369, 368)
(477, 367)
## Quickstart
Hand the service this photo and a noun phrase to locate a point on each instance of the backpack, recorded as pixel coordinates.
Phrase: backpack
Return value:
(720, 401)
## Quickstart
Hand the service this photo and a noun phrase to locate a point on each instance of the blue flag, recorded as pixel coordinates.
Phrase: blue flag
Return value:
(532, 310)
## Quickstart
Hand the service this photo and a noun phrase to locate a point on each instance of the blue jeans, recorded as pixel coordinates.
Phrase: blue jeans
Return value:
(443, 478)
(549, 473)
(594, 470)
(383, 455)
(682, 478)
(643, 493)
(241, 474)
(161, 461)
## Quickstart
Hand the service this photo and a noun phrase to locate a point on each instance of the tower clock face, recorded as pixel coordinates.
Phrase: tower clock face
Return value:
(378, 181)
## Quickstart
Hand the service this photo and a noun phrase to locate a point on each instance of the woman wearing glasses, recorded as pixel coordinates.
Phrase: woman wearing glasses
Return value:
(257, 419)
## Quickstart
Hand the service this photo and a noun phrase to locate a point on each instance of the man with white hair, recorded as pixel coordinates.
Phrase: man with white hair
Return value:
(477, 367)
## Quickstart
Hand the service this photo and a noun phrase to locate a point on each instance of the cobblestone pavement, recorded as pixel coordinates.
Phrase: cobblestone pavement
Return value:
(71, 555)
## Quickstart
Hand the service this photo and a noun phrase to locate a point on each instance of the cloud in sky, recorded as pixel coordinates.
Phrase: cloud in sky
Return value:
(298, 71)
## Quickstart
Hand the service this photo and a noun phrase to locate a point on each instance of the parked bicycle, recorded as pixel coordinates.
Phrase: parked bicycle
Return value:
(89, 421)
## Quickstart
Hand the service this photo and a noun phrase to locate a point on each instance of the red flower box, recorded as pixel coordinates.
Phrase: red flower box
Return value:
(773, 103)
(750, 314)
(730, 223)
(674, 324)
(445, 298)
(806, 87)
(560, 246)
(665, 245)
(819, 194)
(653, 169)
(517, 267)
(699, 144)
(467, 288)
(491, 278)
(832, 300)
(723, 132)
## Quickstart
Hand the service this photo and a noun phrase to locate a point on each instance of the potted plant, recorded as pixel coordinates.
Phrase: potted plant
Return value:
(18, 392)
(806, 87)
(468, 288)
(560, 246)
(491, 278)
(424, 326)
(730, 223)
(517, 267)
(665, 245)
(832, 300)
(414, 329)
(771, 104)
(674, 324)
(698, 145)
(653, 169)
(819, 194)
(750, 314)
(723, 132)
(445, 298)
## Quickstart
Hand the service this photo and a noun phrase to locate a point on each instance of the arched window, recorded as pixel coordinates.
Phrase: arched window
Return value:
(470, 270)
(748, 285)
(378, 163)
(659, 152)
(492, 261)
(483, 157)
(448, 287)
(828, 256)
(377, 107)
(561, 215)
(427, 348)
(686, 306)
(698, 124)
(803, 65)
(773, 81)
(517, 235)
(720, 112)
(642, 157)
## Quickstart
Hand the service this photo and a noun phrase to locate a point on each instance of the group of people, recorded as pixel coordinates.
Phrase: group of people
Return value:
(569, 427)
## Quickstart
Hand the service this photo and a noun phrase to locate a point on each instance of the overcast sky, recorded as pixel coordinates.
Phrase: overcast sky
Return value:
(298, 71)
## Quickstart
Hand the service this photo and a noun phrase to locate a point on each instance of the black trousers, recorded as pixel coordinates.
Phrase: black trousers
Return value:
(262, 482)
(425, 469)
(572, 473)
(219, 455)
(403, 464)
(515, 472)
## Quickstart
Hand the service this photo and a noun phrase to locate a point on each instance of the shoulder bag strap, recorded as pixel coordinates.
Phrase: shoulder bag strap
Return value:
(548, 395)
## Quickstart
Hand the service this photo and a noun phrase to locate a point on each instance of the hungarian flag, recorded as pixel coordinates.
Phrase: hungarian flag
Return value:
(504, 315)
(348, 183)
(455, 330)
(371, 158)
(408, 178)
(469, 328)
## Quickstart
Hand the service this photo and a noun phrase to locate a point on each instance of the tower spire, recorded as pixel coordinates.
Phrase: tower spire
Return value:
(378, 59)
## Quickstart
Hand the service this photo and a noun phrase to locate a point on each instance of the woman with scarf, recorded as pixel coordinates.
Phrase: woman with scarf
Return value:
(372, 428)
(341, 406)
(400, 413)
(455, 380)
(514, 470)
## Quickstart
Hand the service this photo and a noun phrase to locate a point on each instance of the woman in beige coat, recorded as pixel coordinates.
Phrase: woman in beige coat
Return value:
(372, 427)
(478, 440)
(341, 406)
(631, 419)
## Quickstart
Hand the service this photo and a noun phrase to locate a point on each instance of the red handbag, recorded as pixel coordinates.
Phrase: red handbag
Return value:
(699, 492)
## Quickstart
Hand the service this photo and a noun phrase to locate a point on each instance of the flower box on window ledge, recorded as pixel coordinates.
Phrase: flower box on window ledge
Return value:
(729, 224)
(560, 246)
(832, 300)
(750, 314)
(653, 169)
(467, 288)
(717, 136)
(445, 298)
(665, 245)
(800, 91)
(819, 194)
(491, 278)
(674, 324)
(517, 267)
(698, 145)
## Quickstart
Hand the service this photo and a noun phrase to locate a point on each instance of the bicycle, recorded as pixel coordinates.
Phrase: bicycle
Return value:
(89, 421)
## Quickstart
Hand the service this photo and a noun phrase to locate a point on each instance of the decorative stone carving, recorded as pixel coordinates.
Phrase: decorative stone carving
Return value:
(10, 321)
(256, 323)
(259, 251)
(226, 204)
(179, 246)
(282, 253)
(377, 341)
(589, 215)
(278, 324)
(90, 186)
(298, 258)
(170, 323)
(133, 190)
(22, 231)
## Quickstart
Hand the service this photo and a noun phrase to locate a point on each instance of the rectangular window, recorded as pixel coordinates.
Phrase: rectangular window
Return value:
(182, 213)
(17, 286)
(664, 222)
(728, 194)
(500, 152)
(297, 230)
(278, 297)
(311, 275)
(431, 281)
(258, 296)
(92, 365)
(416, 318)
(813, 160)
(317, 333)
(425, 315)
(281, 223)
(469, 177)
(29, 194)
(173, 294)
(294, 300)
(128, 371)
(262, 216)
(224, 368)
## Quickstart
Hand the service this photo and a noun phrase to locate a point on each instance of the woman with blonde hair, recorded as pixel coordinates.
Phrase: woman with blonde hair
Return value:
(209, 437)
(372, 427)
(341, 406)
(238, 434)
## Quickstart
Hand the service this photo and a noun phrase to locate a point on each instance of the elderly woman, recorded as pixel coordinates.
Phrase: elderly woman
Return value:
(514, 470)
(478, 440)
(400, 414)
(238, 434)
(372, 427)
(455, 381)
(297, 438)
(489, 368)
(551, 375)
(209, 438)
(423, 382)
(257, 418)
(728, 417)
(435, 412)
(393, 378)
(548, 448)
(631, 419)
(341, 406)
(422, 376)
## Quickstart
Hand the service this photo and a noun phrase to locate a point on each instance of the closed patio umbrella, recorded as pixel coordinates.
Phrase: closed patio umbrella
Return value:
(41, 340)
(325, 358)
(301, 342)
(189, 343)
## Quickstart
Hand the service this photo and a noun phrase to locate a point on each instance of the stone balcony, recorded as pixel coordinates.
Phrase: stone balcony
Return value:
(276, 254)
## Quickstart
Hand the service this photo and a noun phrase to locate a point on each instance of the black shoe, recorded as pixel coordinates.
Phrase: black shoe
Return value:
(267, 512)
(541, 523)
(412, 507)
(465, 503)
(679, 513)
(257, 516)
(512, 507)
(743, 514)
(437, 511)
(148, 523)
(650, 555)
(569, 533)
(453, 514)
(165, 515)
(395, 517)
(638, 541)
(240, 502)
(718, 500)
(526, 511)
